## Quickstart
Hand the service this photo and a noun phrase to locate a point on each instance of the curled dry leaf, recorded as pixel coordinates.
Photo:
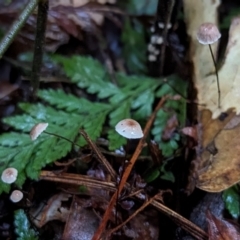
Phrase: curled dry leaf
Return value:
(171, 126)
(219, 229)
(52, 211)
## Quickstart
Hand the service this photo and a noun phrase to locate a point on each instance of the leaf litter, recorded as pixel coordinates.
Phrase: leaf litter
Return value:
(218, 133)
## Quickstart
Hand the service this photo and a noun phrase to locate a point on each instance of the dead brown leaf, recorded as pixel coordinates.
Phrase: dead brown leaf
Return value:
(81, 223)
(219, 229)
(171, 126)
(218, 133)
(53, 210)
(224, 167)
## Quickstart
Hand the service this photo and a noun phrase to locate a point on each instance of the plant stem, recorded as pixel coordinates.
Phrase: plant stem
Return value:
(167, 8)
(39, 44)
(59, 136)
(16, 26)
(216, 71)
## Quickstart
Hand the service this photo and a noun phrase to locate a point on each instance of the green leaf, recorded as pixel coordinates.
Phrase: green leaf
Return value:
(28, 157)
(166, 175)
(87, 73)
(93, 127)
(139, 7)
(152, 175)
(231, 198)
(69, 102)
(134, 46)
(132, 96)
(173, 86)
(22, 227)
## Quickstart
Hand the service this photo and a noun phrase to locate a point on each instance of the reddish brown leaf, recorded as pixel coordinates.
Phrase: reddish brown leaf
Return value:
(190, 131)
(171, 126)
(219, 229)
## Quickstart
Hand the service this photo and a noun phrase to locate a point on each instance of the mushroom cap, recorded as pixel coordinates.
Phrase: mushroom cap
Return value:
(9, 175)
(37, 130)
(208, 33)
(16, 196)
(129, 128)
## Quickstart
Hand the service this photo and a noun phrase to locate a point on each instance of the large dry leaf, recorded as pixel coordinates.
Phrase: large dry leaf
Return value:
(218, 149)
(224, 167)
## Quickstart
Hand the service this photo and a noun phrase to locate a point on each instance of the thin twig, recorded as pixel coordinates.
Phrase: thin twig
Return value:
(77, 179)
(127, 172)
(100, 156)
(16, 26)
(132, 216)
(190, 227)
(39, 44)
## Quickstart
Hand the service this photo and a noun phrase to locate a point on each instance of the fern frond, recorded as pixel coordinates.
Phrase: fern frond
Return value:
(22, 226)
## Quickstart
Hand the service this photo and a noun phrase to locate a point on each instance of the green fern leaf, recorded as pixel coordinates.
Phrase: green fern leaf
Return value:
(134, 47)
(87, 73)
(70, 103)
(93, 127)
(22, 226)
(178, 107)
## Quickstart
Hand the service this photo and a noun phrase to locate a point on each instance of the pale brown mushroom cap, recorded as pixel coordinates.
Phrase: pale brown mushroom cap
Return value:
(16, 196)
(37, 130)
(129, 128)
(208, 33)
(9, 175)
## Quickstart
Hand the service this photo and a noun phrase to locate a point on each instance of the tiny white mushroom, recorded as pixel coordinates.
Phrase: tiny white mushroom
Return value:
(169, 25)
(161, 25)
(151, 48)
(152, 29)
(16, 196)
(159, 40)
(9, 175)
(152, 58)
(129, 128)
(37, 130)
(154, 38)
(208, 33)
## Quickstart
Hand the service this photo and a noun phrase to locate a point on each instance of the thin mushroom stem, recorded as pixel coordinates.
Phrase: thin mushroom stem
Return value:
(59, 136)
(216, 71)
